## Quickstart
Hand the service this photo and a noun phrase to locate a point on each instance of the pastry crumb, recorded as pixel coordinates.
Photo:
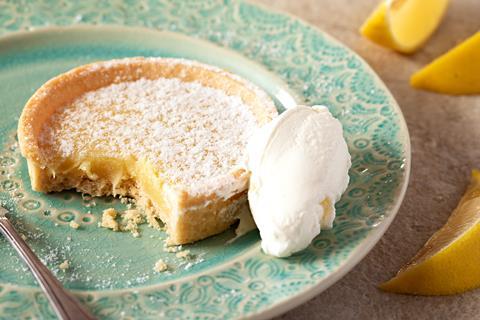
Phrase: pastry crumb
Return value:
(171, 249)
(130, 221)
(183, 254)
(108, 219)
(160, 266)
(74, 225)
(152, 220)
(91, 204)
(64, 265)
(24, 237)
(126, 200)
(133, 215)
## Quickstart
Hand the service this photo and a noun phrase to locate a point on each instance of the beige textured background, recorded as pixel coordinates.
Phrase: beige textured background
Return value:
(445, 135)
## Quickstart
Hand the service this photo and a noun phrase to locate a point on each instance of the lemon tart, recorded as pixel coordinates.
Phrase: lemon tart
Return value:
(171, 133)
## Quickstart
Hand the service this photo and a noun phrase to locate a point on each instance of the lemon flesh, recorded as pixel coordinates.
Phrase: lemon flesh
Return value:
(449, 262)
(404, 25)
(455, 72)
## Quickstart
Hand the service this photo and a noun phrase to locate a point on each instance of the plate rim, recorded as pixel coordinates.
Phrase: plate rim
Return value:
(365, 245)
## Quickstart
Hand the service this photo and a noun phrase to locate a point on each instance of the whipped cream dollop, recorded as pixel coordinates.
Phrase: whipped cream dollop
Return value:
(299, 166)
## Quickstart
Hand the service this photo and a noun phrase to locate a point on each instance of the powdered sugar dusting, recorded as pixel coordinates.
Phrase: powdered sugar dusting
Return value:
(260, 94)
(194, 134)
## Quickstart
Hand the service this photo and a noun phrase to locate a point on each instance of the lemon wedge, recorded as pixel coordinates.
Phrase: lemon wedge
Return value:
(455, 72)
(449, 262)
(404, 25)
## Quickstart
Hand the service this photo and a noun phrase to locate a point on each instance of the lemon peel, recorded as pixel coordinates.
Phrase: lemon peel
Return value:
(449, 261)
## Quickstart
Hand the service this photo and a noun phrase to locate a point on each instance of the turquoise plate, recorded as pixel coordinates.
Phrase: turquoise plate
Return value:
(112, 272)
